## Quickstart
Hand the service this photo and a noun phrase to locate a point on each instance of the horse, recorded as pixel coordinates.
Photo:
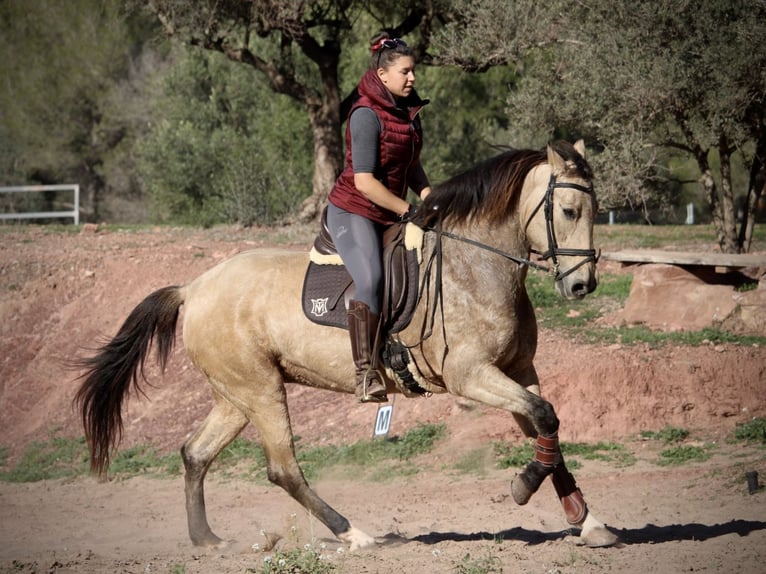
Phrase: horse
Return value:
(244, 329)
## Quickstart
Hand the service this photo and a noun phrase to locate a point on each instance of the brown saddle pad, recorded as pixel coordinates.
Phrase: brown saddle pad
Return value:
(327, 286)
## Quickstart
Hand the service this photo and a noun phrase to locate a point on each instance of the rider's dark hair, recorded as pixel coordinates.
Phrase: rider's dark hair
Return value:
(386, 50)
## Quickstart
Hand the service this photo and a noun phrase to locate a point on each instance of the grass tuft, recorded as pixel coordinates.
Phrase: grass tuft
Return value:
(752, 431)
(668, 435)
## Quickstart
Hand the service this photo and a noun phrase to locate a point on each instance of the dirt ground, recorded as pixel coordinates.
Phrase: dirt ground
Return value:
(61, 293)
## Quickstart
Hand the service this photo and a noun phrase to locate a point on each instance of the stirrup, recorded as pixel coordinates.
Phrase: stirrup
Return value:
(371, 390)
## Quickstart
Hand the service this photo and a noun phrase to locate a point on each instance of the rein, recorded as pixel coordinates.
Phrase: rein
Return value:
(552, 253)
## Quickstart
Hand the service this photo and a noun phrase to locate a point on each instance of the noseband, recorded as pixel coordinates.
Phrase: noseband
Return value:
(554, 251)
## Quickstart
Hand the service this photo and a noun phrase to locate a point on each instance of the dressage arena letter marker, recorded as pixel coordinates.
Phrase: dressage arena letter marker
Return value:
(383, 420)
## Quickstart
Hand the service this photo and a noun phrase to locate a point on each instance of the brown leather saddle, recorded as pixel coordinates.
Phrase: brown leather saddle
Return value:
(327, 286)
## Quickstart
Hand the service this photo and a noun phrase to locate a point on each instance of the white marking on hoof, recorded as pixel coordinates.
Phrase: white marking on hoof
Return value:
(356, 539)
(595, 534)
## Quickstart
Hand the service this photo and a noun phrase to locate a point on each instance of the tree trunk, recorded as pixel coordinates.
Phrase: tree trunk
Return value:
(328, 162)
(727, 233)
(328, 142)
(755, 189)
(711, 191)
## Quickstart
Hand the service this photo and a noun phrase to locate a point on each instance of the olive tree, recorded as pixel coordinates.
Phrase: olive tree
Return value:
(642, 81)
(297, 45)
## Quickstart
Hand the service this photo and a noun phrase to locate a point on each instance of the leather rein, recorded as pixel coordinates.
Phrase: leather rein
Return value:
(554, 251)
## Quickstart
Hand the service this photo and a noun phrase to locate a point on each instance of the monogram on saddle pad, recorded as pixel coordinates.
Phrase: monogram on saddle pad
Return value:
(328, 288)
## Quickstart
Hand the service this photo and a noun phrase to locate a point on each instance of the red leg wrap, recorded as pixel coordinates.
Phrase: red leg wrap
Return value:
(547, 450)
(570, 496)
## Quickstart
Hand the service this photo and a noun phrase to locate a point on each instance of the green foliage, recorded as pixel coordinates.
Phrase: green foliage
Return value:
(142, 459)
(683, 454)
(465, 120)
(518, 456)
(226, 148)
(702, 88)
(513, 456)
(752, 431)
(605, 451)
(553, 311)
(306, 560)
(668, 435)
(486, 564)
(417, 441)
(56, 458)
(66, 99)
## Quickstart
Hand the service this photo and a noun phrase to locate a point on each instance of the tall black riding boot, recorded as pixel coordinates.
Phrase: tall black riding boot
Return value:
(363, 328)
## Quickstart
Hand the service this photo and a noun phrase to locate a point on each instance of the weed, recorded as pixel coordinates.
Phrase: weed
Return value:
(4, 451)
(605, 451)
(306, 560)
(143, 459)
(753, 430)
(668, 435)
(519, 456)
(683, 454)
(56, 458)
(512, 456)
(479, 565)
(178, 569)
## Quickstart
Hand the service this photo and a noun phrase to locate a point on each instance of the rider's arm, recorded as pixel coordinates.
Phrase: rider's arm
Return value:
(365, 151)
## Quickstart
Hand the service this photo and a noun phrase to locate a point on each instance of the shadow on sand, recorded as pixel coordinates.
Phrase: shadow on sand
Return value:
(648, 534)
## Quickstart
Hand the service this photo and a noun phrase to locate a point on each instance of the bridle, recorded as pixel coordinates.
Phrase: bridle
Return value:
(554, 251)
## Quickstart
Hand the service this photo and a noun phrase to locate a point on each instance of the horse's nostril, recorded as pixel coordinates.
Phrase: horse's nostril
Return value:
(580, 289)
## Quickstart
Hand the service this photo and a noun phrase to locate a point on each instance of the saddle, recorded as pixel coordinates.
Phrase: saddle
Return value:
(328, 287)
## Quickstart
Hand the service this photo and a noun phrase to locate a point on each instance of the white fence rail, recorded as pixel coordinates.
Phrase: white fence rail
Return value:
(73, 213)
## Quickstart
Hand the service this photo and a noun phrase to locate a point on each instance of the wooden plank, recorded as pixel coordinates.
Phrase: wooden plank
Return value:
(687, 258)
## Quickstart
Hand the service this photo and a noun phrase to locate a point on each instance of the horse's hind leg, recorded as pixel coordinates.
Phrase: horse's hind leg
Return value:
(270, 416)
(221, 426)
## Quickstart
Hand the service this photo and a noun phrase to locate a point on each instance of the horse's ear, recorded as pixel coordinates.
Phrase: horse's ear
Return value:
(557, 163)
(580, 147)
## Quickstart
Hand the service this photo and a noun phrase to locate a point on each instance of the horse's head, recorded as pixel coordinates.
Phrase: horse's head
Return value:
(561, 207)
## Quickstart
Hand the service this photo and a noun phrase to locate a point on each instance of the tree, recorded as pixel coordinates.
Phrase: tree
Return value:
(640, 81)
(65, 67)
(223, 147)
(297, 46)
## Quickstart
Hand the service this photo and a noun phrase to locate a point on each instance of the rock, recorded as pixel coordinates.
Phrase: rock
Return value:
(670, 298)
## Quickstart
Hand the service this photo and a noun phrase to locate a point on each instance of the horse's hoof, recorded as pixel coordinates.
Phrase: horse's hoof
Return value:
(599, 537)
(356, 539)
(521, 494)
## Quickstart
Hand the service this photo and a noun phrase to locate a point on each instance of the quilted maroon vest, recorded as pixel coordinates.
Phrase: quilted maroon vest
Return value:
(401, 139)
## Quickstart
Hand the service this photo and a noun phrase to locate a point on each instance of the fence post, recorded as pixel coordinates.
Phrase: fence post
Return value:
(689, 214)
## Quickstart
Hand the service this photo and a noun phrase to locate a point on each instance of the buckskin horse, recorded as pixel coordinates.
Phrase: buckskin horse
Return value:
(245, 330)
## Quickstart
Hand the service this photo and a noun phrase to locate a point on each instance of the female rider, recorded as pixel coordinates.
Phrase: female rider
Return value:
(383, 142)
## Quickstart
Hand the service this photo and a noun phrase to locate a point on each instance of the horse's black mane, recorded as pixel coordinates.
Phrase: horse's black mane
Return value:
(490, 188)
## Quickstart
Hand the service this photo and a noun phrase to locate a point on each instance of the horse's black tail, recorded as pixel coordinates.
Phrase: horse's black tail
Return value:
(117, 364)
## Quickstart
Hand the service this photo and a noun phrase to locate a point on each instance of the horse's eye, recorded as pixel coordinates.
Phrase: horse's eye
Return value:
(570, 214)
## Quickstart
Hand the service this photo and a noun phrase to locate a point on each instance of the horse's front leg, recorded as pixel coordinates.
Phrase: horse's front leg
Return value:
(537, 418)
